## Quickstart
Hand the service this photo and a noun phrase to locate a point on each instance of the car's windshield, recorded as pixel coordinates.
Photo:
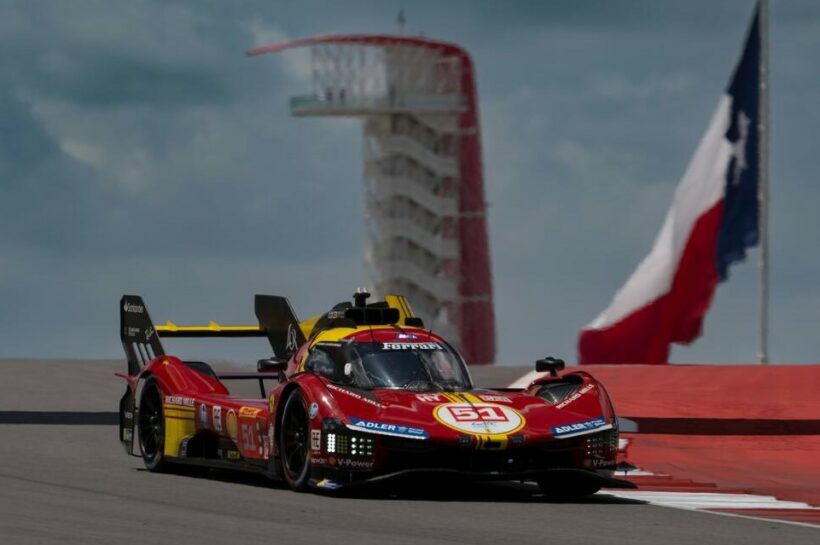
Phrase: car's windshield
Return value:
(417, 366)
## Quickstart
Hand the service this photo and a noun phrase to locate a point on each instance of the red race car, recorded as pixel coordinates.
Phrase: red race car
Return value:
(360, 394)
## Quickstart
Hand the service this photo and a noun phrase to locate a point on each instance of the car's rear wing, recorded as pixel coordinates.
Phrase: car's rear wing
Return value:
(141, 339)
(137, 333)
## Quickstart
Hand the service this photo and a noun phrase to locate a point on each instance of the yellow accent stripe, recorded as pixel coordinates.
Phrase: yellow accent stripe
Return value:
(403, 303)
(501, 441)
(180, 408)
(171, 327)
(173, 412)
(471, 398)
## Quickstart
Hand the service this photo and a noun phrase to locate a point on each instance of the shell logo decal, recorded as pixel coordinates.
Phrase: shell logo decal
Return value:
(479, 418)
(230, 424)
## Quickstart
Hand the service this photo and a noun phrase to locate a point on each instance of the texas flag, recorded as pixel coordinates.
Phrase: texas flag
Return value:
(712, 221)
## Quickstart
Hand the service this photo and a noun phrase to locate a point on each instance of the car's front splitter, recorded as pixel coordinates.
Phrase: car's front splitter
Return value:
(566, 475)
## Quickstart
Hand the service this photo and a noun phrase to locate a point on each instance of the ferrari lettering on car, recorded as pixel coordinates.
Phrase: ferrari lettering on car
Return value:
(363, 393)
(411, 346)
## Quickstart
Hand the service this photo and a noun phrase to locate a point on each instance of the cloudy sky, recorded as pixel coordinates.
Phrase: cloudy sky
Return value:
(142, 152)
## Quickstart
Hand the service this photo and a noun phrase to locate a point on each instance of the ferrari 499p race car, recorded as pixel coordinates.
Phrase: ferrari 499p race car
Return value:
(360, 394)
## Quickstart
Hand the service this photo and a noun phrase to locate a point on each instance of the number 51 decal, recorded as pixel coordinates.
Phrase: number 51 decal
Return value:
(487, 413)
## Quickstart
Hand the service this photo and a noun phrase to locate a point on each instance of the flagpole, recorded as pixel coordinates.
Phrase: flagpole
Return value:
(763, 187)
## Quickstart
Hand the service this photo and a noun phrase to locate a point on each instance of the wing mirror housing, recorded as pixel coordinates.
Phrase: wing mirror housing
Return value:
(553, 365)
(269, 365)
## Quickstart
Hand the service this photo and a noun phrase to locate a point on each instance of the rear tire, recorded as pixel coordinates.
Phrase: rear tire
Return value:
(151, 425)
(294, 441)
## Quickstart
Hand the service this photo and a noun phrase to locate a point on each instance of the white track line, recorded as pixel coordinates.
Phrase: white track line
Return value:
(709, 500)
(680, 500)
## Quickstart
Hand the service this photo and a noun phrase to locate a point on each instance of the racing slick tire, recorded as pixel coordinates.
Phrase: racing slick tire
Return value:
(151, 425)
(294, 441)
(567, 491)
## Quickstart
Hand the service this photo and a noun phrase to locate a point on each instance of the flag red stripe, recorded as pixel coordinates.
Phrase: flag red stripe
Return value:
(677, 316)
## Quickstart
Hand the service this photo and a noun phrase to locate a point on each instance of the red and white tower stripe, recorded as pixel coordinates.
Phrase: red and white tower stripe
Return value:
(424, 184)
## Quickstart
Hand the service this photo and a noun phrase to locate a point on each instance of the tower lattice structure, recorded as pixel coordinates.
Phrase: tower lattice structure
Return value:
(425, 209)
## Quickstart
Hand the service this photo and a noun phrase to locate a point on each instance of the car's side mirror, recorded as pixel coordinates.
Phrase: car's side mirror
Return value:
(267, 365)
(553, 365)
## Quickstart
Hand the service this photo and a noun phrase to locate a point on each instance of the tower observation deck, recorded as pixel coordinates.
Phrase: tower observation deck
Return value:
(425, 209)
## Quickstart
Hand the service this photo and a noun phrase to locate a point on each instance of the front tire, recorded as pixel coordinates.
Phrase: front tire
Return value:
(151, 425)
(294, 439)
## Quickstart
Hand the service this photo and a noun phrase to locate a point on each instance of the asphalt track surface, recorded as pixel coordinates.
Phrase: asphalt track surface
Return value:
(64, 483)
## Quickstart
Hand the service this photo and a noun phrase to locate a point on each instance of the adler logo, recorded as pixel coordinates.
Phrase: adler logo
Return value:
(131, 307)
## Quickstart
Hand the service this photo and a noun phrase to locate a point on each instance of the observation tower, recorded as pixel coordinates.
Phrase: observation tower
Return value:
(425, 210)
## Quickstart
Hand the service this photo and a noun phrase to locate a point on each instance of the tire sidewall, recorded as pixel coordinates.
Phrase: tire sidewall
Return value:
(155, 463)
(298, 482)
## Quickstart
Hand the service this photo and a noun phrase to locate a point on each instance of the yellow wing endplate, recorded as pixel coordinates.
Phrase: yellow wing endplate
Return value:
(400, 303)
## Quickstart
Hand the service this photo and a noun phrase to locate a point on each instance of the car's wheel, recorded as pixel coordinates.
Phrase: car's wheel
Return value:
(566, 490)
(294, 441)
(151, 425)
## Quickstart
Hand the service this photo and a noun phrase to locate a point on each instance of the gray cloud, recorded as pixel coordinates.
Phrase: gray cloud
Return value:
(142, 152)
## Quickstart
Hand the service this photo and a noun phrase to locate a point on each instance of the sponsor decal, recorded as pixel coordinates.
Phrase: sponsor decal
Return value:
(203, 415)
(131, 331)
(318, 460)
(600, 463)
(412, 346)
(233, 455)
(271, 447)
(347, 463)
(387, 429)
(406, 336)
(291, 344)
(216, 418)
(479, 418)
(574, 396)
(327, 484)
(494, 398)
(314, 410)
(248, 435)
(180, 401)
(249, 412)
(148, 333)
(127, 434)
(315, 439)
(353, 394)
(133, 308)
(230, 425)
(183, 448)
(579, 428)
(271, 404)
(433, 398)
